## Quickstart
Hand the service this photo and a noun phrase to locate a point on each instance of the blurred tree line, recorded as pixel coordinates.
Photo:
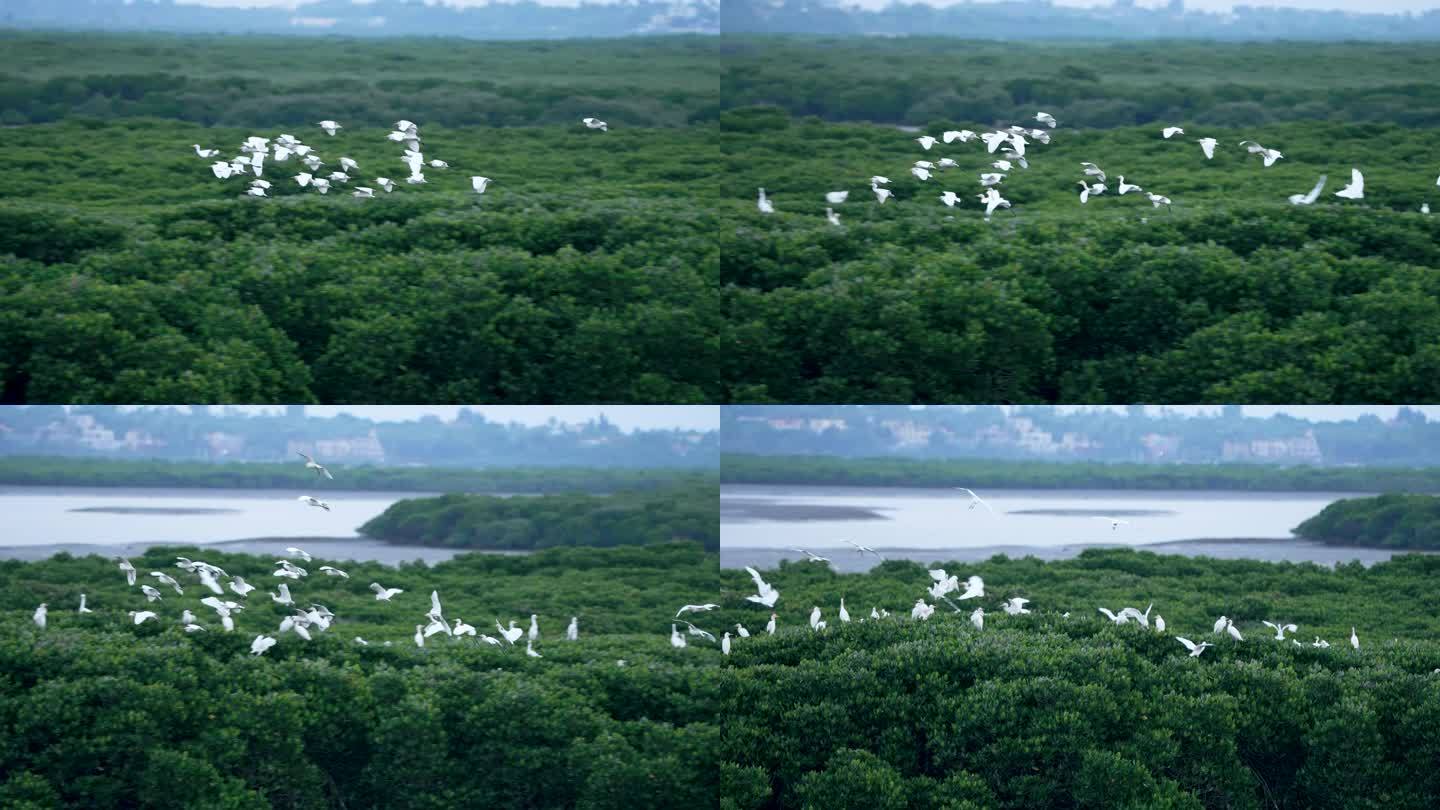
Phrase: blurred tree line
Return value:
(1391, 520)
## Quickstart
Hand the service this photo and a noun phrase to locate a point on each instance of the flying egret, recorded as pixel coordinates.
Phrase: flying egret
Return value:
(922, 611)
(1280, 629)
(881, 194)
(810, 556)
(283, 597)
(141, 616)
(383, 594)
(864, 549)
(988, 179)
(1207, 145)
(572, 631)
(595, 123)
(1091, 170)
(221, 169)
(316, 502)
(1016, 606)
(1195, 649)
(764, 204)
(1307, 199)
(312, 464)
(961, 135)
(765, 594)
(256, 192)
(84, 609)
(385, 183)
(151, 595)
(1045, 118)
(949, 198)
(261, 644)
(836, 197)
(206, 153)
(1118, 618)
(1356, 189)
(1168, 132)
(334, 572)
(1134, 613)
(346, 164)
(877, 180)
(695, 609)
(978, 618)
(1088, 190)
(974, 588)
(925, 142)
(128, 570)
(947, 163)
(1115, 523)
(920, 172)
(416, 178)
(725, 644)
(975, 500)
(329, 126)
(1125, 188)
(676, 640)
(1156, 200)
(300, 552)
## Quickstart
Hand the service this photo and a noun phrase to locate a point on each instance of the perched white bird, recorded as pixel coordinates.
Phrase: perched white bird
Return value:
(530, 649)
(1356, 189)
(770, 625)
(844, 614)
(1220, 624)
(1354, 639)
(836, 197)
(316, 502)
(128, 570)
(925, 142)
(419, 636)
(1425, 208)
(695, 609)
(534, 628)
(1168, 132)
(922, 611)
(41, 614)
(1233, 631)
(741, 631)
(1016, 606)
(815, 623)
(512, 634)
(1324, 645)
(141, 616)
(974, 589)
(864, 549)
(572, 631)
(1159, 623)
(1307, 199)
(1045, 118)
(595, 123)
(1118, 618)
(1207, 145)
(764, 204)
(765, 594)
(329, 126)
(383, 594)
(725, 644)
(978, 618)
(1280, 629)
(1195, 649)
(676, 640)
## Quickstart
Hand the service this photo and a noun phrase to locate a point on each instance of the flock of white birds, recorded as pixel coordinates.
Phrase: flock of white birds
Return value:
(944, 585)
(255, 151)
(1009, 146)
(304, 621)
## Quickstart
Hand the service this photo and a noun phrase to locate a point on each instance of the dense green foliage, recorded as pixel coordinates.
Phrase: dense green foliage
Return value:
(1230, 295)
(917, 80)
(681, 511)
(98, 713)
(1392, 520)
(585, 274)
(1006, 474)
(88, 472)
(1041, 711)
(267, 81)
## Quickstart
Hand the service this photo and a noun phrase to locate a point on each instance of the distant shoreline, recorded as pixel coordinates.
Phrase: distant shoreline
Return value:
(362, 549)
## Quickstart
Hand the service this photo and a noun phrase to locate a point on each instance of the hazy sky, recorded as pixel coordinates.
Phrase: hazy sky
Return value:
(1205, 5)
(626, 417)
(1314, 413)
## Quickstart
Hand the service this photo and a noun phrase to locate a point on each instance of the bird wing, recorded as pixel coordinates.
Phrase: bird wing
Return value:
(375, 586)
(1315, 192)
(760, 584)
(1189, 645)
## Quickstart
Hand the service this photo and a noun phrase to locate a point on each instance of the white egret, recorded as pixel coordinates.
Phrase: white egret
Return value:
(765, 594)
(988, 179)
(925, 142)
(221, 169)
(1280, 629)
(1045, 118)
(141, 616)
(978, 618)
(329, 126)
(84, 609)
(1118, 618)
(864, 549)
(1159, 623)
(206, 153)
(261, 644)
(316, 502)
(1356, 189)
(572, 631)
(534, 627)
(725, 644)
(877, 180)
(1156, 200)
(192, 627)
(346, 164)
(920, 172)
(312, 464)
(1088, 190)
(815, 618)
(1016, 606)
(151, 595)
(881, 194)
(974, 589)
(1307, 199)
(283, 597)
(844, 614)
(949, 198)
(530, 649)
(1195, 649)
(1091, 170)
(1324, 645)
(1354, 639)
(383, 594)
(832, 217)
(1168, 132)
(698, 633)
(836, 197)
(490, 640)
(764, 204)
(1125, 188)
(922, 611)
(416, 178)
(676, 640)
(1233, 631)
(128, 570)
(810, 556)
(595, 123)
(512, 634)
(961, 135)
(695, 609)
(41, 615)
(256, 192)
(385, 183)
(770, 625)
(975, 500)
(1207, 145)
(332, 571)
(304, 179)
(419, 636)
(741, 631)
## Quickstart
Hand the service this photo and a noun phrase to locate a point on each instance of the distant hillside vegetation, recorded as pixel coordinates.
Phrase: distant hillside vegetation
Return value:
(1393, 521)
